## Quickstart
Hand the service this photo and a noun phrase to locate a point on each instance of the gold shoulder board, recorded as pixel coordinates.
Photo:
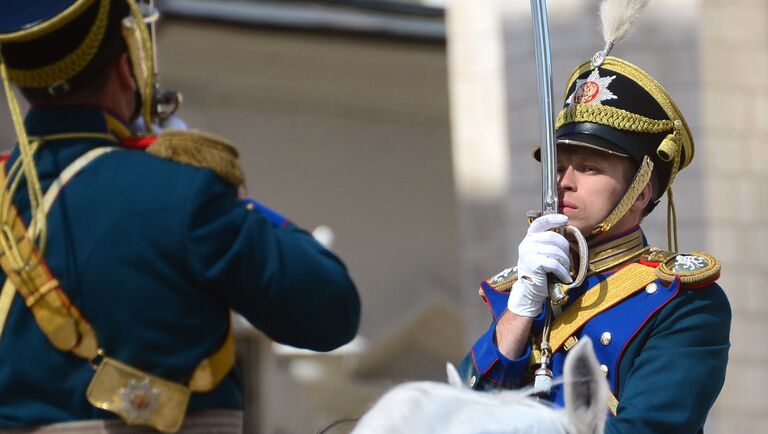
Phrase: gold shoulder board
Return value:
(502, 281)
(692, 268)
(200, 149)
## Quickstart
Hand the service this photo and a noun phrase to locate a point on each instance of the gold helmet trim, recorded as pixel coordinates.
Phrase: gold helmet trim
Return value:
(54, 23)
(66, 68)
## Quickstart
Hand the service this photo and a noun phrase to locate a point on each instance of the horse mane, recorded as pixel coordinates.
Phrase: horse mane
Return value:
(414, 406)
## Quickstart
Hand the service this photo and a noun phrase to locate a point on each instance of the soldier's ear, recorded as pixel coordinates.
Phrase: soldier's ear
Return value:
(454, 379)
(586, 390)
(644, 198)
(124, 73)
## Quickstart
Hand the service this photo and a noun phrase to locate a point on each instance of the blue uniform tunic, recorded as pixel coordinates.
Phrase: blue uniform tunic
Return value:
(665, 358)
(155, 254)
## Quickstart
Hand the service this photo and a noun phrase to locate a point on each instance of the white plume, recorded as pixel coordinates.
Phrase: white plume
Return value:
(618, 16)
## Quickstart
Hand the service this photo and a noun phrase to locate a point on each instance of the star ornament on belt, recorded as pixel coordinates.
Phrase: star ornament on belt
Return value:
(139, 400)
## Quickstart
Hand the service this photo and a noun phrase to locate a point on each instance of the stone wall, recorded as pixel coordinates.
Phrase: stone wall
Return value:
(734, 111)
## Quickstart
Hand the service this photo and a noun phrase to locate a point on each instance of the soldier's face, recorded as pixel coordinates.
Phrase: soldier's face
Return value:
(590, 184)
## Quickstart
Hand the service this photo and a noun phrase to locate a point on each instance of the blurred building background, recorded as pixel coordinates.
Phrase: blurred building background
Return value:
(342, 113)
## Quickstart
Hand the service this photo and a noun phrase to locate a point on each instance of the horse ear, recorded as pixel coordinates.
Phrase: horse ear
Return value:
(453, 375)
(586, 390)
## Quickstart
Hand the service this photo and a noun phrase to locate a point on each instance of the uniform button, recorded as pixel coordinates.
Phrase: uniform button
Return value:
(472, 381)
(651, 288)
(604, 369)
(605, 338)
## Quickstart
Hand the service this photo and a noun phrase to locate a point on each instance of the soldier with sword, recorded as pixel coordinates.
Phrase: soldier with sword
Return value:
(123, 251)
(658, 320)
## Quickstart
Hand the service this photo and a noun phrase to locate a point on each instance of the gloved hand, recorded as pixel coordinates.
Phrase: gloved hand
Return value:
(172, 123)
(541, 252)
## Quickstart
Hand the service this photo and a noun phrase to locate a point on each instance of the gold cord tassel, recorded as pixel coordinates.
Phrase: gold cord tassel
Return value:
(24, 166)
(672, 244)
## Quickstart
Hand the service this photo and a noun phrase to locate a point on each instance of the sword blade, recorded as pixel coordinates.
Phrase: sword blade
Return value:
(547, 121)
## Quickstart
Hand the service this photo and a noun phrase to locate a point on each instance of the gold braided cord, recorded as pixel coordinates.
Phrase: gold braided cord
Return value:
(671, 222)
(70, 136)
(25, 168)
(70, 65)
(54, 23)
(140, 50)
(671, 211)
(675, 169)
(641, 179)
(13, 178)
(613, 117)
(116, 126)
(6, 299)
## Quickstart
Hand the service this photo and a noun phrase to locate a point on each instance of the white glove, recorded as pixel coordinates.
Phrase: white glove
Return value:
(172, 123)
(540, 253)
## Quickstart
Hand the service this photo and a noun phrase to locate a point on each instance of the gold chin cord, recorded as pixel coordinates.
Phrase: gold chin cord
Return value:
(140, 50)
(23, 167)
(139, 34)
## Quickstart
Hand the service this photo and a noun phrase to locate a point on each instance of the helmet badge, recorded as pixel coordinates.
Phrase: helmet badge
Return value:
(593, 89)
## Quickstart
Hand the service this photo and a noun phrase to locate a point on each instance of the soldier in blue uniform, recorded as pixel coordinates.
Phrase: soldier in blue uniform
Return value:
(658, 321)
(123, 254)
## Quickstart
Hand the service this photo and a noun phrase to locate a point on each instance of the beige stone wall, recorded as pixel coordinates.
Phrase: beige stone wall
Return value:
(734, 61)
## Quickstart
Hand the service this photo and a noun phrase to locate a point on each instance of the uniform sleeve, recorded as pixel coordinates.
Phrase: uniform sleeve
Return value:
(486, 368)
(679, 368)
(277, 276)
(489, 367)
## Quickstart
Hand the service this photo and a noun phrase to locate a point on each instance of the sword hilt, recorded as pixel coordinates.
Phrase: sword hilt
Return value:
(557, 290)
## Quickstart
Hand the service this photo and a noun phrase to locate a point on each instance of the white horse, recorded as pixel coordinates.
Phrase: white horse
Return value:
(428, 407)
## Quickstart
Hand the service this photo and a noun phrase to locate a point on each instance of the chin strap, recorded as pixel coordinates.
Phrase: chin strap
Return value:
(639, 182)
(139, 43)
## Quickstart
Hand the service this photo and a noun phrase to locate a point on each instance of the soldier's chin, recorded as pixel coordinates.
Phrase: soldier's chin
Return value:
(584, 228)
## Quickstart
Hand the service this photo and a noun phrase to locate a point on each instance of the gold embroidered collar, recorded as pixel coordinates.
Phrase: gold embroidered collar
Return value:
(616, 251)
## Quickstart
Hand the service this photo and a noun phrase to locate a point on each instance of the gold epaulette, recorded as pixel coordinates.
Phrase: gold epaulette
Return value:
(693, 269)
(200, 149)
(502, 281)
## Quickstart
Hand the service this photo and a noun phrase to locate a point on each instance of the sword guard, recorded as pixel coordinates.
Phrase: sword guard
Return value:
(533, 215)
